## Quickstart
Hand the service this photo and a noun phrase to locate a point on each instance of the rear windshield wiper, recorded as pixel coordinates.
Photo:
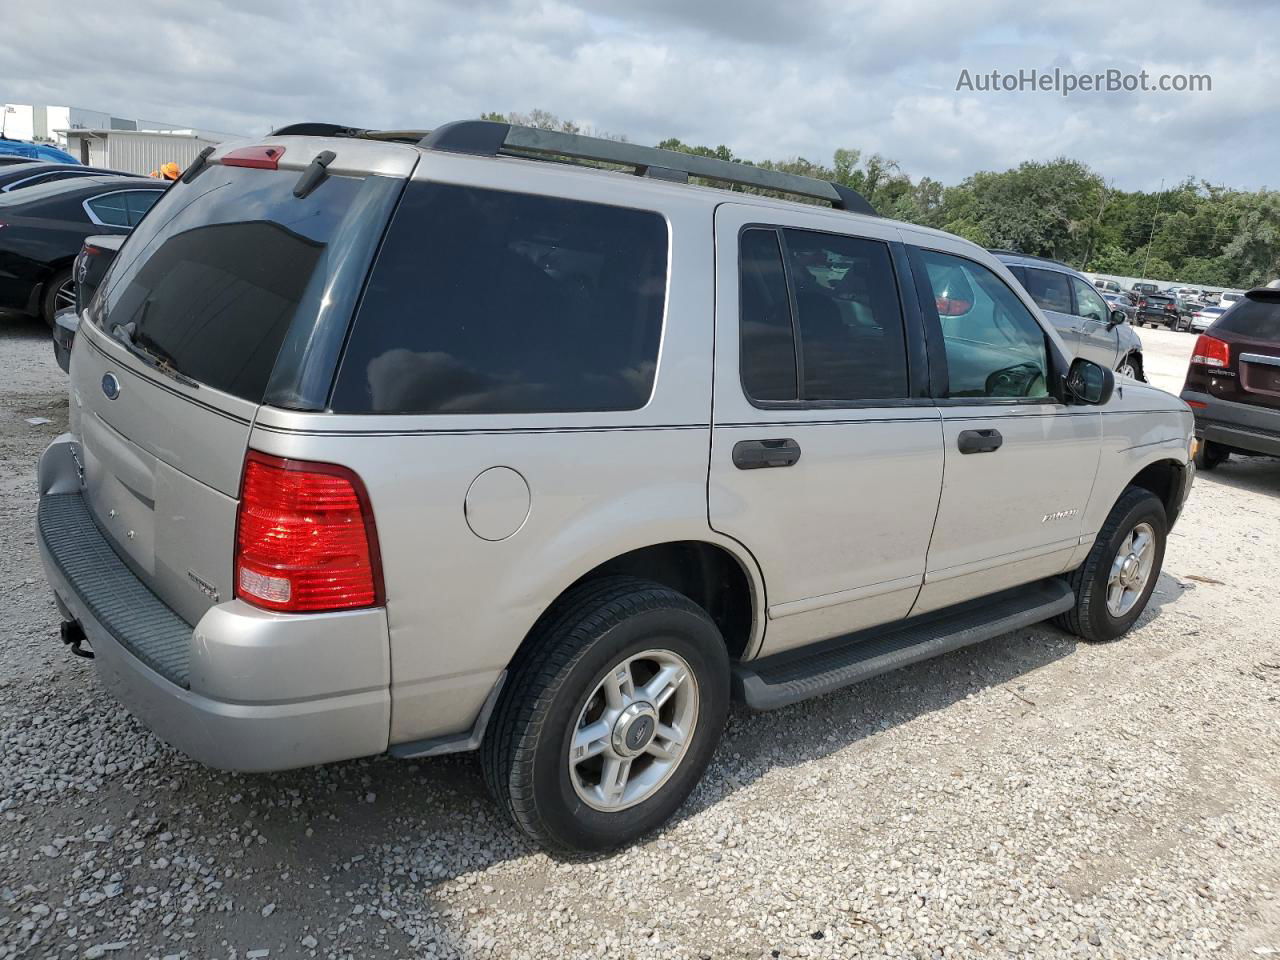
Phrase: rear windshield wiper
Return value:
(124, 333)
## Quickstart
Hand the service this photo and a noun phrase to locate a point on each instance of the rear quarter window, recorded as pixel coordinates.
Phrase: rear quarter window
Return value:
(486, 301)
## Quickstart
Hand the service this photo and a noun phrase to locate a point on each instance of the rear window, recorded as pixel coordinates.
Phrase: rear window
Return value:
(484, 301)
(209, 282)
(1258, 319)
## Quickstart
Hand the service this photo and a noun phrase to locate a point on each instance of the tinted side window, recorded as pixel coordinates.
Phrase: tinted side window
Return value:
(768, 343)
(1049, 289)
(138, 202)
(1088, 304)
(852, 342)
(110, 209)
(484, 301)
(994, 346)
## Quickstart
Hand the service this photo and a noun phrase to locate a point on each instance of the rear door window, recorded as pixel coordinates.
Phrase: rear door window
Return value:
(210, 283)
(138, 202)
(832, 297)
(109, 209)
(486, 301)
(1049, 289)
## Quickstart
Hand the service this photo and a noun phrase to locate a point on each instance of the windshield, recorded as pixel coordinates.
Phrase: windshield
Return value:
(209, 283)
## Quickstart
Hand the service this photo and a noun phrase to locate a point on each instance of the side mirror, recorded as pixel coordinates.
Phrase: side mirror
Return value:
(1089, 382)
(1117, 318)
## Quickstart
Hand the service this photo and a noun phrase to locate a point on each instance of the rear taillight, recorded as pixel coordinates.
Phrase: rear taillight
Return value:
(265, 158)
(1142, 302)
(1211, 352)
(305, 537)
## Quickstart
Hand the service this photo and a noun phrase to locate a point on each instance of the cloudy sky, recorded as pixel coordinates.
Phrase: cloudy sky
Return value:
(769, 79)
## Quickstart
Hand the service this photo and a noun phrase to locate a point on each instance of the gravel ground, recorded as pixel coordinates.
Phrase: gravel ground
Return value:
(1031, 796)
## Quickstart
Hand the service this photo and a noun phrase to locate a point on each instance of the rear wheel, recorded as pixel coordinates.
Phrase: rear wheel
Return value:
(1114, 583)
(610, 718)
(59, 293)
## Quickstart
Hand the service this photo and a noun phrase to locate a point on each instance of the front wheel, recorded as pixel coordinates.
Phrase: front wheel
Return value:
(1131, 366)
(1115, 581)
(611, 716)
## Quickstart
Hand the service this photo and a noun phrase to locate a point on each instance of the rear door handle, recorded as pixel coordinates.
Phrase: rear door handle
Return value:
(755, 454)
(980, 441)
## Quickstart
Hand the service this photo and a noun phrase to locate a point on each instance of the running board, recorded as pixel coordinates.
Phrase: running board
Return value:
(811, 671)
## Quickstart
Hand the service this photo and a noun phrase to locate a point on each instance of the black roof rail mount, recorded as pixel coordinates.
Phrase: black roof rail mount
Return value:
(488, 138)
(317, 130)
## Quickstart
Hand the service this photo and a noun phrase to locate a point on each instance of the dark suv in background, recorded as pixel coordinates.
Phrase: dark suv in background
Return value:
(1159, 309)
(1233, 382)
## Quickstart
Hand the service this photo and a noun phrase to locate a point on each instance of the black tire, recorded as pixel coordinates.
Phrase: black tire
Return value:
(1211, 454)
(584, 635)
(1135, 359)
(49, 299)
(1089, 618)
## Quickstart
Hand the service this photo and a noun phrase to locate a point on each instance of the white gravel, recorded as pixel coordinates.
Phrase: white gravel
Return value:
(1032, 796)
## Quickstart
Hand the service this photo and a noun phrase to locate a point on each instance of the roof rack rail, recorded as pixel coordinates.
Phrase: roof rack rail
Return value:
(338, 130)
(488, 138)
(317, 130)
(1028, 256)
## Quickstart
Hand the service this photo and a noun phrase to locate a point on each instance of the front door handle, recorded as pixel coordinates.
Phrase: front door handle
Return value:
(754, 454)
(980, 441)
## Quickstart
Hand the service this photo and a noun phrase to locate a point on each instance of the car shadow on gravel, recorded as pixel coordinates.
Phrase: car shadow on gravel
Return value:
(1251, 474)
(18, 326)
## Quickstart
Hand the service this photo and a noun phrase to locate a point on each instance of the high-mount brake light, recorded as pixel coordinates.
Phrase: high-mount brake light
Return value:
(262, 158)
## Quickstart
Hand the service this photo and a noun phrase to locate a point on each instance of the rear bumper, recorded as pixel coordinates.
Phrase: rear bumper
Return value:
(244, 689)
(1238, 425)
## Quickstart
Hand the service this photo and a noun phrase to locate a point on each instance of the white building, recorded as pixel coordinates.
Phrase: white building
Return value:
(139, 151)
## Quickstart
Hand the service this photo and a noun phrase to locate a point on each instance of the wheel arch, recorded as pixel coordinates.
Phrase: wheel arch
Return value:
(719, 577)
(1166, 479)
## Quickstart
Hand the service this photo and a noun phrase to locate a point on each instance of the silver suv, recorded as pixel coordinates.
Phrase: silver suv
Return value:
(1089, 326)
(389, 444)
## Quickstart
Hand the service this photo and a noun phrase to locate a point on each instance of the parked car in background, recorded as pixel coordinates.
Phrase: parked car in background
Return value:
(34, 151)
(1093, 328)
(1228, 297)
(1204, 316)
(1107, 286)
(42, 228)
(1159, 310)
(1119, 301)
(1140, 290)
(22, 176)
(88, 270)
(1233, 380)
(311, 504)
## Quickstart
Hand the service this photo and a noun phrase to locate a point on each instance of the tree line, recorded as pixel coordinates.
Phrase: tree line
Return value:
(1193, 232)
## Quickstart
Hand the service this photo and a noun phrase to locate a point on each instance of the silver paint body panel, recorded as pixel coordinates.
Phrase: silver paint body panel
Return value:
(881, 517)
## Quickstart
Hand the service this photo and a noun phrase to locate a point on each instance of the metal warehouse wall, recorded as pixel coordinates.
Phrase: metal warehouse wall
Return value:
(139, 153)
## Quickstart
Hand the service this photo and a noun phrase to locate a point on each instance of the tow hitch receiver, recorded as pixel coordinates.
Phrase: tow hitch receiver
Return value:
(73, 636)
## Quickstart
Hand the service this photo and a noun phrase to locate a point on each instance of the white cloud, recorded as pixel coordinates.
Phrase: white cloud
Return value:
(767, 79)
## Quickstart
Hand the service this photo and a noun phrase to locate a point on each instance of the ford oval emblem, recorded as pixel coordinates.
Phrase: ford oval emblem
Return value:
(110, 386)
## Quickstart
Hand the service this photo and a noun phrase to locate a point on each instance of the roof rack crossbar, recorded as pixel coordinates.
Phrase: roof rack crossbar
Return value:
(491, 138)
